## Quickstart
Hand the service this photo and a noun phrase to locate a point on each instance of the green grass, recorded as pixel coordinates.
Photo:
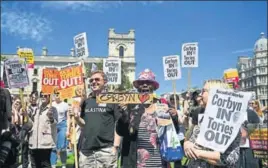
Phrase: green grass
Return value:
(70, 160)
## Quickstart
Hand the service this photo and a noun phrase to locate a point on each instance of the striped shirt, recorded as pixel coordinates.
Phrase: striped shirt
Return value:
(148, 155)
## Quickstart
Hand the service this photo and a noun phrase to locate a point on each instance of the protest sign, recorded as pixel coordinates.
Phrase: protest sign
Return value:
(71, 80)
(223, 118)
(189, 55)
(172, 69)
(16, 72)
(112, 69)
(259, 141)
(28, 54)
(127, 98)
(80, 43)
(50, 79)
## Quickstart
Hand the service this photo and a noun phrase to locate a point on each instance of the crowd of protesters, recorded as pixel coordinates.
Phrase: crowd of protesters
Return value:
(37, 130)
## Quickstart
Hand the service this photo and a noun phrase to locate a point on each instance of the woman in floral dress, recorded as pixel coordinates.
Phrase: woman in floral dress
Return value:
(138, 127)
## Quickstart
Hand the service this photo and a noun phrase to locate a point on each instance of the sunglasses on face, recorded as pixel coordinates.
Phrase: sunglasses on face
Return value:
(94, 79)
(145, 82)
(44, 96)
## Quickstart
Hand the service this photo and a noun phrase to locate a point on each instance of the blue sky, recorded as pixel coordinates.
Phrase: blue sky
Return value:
(224, 31)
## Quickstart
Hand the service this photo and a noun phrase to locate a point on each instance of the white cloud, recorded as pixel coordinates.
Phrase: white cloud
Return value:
(93, 6)
(24, 24)
(242, 51)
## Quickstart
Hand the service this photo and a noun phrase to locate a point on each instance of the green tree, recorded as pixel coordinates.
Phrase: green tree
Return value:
(2, 58)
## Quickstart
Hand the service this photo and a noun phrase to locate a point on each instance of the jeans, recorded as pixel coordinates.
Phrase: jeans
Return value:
(25, 154)
(40, 158)
(61, 145)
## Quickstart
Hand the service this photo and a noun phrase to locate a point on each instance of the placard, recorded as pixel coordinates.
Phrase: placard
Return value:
(112, 69)
(16, 72)
(28, 54)
(189, 55)
(50, 79)
(126, 98)
(71, 80)
(172, 69)
(259, 141)
(80, 43)
(223, 118)
(68, 79)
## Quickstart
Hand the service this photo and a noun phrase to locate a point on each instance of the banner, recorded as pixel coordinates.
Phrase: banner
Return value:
(28, 54)
(80, 43)
(71, 80)
(50, 79)
(172, 69)
(16, 72)
(67, 79)
(112, 69)
(189, 55)
(126, 98)
(259, 142)
(225, 112)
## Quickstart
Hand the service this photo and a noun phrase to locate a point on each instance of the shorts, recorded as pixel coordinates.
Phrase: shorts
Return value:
(98, 159)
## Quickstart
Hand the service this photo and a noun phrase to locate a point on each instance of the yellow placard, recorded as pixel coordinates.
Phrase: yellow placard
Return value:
(26, 53)
(125, 98)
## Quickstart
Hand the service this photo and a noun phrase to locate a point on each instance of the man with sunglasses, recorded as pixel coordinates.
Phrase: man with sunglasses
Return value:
(42, 136)
(61, 144)
(99, 142)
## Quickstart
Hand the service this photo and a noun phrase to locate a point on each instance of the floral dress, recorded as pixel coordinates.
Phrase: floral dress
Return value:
(148, 154)
(230, 158)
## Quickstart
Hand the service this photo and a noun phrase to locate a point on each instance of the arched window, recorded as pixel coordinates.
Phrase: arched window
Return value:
(121, 51)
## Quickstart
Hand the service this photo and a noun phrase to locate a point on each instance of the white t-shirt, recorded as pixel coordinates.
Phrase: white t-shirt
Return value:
(62, 109)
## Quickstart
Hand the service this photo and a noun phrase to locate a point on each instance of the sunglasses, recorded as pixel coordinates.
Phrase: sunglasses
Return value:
(94, 79)
(145, 82)
(44, 96)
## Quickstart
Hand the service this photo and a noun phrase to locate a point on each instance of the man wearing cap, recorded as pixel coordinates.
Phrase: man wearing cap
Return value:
(138, 127)
(42, 136)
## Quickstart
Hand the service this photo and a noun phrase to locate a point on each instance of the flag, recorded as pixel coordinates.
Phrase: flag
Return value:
(94, 67)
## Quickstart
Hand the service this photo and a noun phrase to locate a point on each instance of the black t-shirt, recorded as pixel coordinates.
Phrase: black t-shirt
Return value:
(98, 131)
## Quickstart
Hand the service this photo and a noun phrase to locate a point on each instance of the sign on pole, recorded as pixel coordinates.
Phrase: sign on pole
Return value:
(112, 69)
(172, 69)
(225, 112)
(189, 55)
(16, 72)
(28, 54)
(80, 43)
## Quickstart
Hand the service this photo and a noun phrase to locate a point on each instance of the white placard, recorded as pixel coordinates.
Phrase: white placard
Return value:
(17, 73)
(2, 70)
(172, 69)
(112, 69)
(189, 55)
(225, 112)
(80, 43)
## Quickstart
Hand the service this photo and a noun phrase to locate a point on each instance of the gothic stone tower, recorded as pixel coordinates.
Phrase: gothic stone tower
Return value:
(122, 45)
